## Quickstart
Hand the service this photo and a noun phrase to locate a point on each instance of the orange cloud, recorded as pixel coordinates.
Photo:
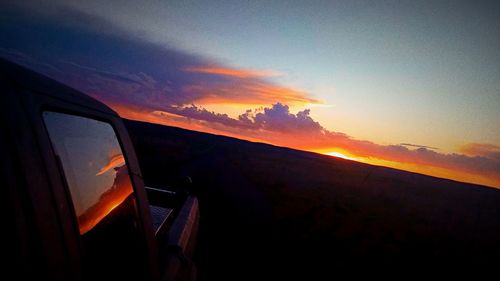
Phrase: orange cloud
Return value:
(240, 86)
(240, 73)
(191, 85)
(249, 91)
(482, 149)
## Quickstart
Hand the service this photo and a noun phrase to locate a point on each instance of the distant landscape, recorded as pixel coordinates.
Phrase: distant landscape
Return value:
(291, 208)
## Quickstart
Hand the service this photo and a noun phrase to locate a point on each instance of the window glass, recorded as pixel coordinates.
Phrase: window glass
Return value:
(101, 190)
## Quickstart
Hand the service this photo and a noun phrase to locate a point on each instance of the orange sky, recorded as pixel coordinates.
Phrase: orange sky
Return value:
(471, 164)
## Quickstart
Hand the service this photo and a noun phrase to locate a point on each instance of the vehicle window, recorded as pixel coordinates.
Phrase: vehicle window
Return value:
(101, 190)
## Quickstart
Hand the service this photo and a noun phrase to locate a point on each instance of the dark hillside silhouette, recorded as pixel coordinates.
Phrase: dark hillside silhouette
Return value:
(310, 215)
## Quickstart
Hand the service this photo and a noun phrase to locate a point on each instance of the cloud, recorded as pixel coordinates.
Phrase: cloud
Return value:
(226, 71)
(276, 118)
(139, 78)
(490, 151)
(121, 67)
(163, 83)
(277, 125)
(199, 113)
(419, 146)
(27, 60)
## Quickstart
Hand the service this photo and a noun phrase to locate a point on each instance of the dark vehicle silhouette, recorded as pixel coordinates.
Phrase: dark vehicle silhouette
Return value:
(75, 205)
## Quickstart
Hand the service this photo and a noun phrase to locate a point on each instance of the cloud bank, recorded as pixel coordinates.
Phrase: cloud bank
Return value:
(277, 125)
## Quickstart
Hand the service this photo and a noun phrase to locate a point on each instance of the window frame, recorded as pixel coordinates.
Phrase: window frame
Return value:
(60, 168)
(75, 194)
(34, 104)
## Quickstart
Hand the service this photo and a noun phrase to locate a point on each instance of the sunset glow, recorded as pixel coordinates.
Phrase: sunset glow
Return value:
(108, 201)
(414, 159)
(240, 73)
(339, 155)
(462, 176)
(412, 87)
(88, 224)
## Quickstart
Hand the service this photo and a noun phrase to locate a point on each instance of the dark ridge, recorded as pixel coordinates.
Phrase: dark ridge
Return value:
(275, 212)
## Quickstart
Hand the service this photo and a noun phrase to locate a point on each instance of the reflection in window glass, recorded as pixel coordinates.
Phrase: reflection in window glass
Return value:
(101, 191)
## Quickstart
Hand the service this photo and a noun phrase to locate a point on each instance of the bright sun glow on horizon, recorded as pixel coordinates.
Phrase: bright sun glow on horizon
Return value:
(339, 155)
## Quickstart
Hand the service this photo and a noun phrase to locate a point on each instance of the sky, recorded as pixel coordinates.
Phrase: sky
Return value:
(413, 85)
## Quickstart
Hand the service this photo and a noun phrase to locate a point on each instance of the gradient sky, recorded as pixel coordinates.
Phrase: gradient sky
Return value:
(408, 84)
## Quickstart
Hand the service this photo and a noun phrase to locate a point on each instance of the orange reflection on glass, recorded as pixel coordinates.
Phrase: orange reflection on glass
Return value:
(108, 201)
(102, 196)
(94, 167)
